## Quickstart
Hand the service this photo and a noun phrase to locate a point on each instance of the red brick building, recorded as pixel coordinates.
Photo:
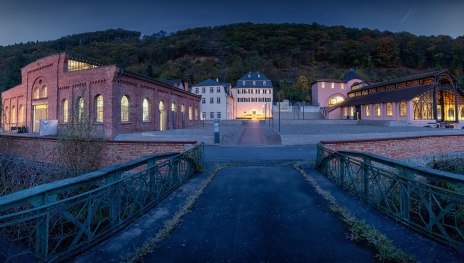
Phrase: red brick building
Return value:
(61, 88)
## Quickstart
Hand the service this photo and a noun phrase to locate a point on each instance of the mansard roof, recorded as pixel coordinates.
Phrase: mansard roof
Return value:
(254, 80)
(209, 82)
(254, 76)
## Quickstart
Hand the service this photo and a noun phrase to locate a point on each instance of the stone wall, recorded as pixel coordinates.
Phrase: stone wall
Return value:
(403, 148)
(46, 149)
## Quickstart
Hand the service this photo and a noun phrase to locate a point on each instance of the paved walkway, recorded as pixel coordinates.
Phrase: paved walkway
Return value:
(260, 214)
(252, 134)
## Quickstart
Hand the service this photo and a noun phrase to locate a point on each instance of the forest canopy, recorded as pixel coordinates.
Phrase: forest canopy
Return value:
(291, 55)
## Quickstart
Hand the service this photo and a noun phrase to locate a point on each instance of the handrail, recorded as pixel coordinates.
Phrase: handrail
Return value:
(56, 220)
(426, 200)
(17, 197)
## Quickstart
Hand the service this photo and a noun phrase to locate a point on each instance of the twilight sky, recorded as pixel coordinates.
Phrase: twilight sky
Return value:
(31, 20)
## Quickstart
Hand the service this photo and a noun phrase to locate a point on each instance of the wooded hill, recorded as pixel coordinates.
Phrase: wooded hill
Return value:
(284, 52)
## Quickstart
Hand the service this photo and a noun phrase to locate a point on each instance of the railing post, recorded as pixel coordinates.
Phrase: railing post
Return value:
(41, 241)
(152, 174)
(342, 170)
(366, 166)
(405, 200)
(115, 202)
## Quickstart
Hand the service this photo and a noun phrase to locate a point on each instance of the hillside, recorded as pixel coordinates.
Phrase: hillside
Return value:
(281, 51)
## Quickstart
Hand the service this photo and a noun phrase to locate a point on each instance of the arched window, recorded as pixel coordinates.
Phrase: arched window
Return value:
(65, 109)
(99, 108)
(146, 110)
(36, 94)
(196, 113)
(377, 110)
(403, 110)
(44, 92)
(173, 107)
(334, 100)
(124, 108)
(389, 109)
(81, 109)
(368, 110)
(21, 115)
(190, 113)
(6, 116)
(13, 115)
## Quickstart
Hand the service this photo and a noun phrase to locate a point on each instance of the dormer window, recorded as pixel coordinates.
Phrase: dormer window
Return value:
(264, 83)
(243, 83)
(249, 75)
(254, 83)
(259, 76)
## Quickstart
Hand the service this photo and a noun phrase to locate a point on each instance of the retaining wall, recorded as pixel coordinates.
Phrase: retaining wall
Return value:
(403, 148)
(46, 149)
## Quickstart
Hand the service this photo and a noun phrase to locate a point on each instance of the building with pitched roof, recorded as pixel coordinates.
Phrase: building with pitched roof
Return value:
(66, 89)
(424, 99)
(253, 96)
(216, 100)
(328, 92)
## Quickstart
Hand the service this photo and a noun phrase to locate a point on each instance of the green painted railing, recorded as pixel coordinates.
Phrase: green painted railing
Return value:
(429, 201)
(56, 220)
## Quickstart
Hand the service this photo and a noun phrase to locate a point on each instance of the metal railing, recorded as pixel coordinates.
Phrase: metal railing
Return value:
(56, 220)
(427, 200)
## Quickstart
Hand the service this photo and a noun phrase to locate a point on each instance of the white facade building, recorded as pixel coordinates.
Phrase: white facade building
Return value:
(216, 101)
(253, 97)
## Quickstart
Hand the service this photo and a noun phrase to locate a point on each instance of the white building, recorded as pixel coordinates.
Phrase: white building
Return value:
(253, 97)
(216, 101)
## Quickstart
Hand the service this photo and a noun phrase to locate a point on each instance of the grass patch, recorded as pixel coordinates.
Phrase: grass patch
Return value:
(359, 230)
(170, 224)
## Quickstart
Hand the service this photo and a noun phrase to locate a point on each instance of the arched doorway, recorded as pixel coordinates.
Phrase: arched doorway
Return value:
(163, 118)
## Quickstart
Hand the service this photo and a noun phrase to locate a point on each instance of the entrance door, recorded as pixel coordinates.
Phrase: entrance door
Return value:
(358, 113)
(40, 113)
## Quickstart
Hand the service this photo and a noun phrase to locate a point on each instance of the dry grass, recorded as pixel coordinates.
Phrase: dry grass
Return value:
(359, 230)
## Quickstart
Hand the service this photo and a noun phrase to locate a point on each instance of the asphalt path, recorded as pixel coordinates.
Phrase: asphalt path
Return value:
(259, 214)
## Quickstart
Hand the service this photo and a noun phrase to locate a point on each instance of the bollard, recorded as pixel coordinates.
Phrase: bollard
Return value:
(216, 131)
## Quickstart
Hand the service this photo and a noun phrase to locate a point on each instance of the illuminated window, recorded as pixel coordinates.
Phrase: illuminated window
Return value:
(36, 93)
(462, 112)
(389, 109)
(403, 108)
(342, 86)
(173, 107)
(44, 92)
(368, 110)
(352, 111)
(345, 111)
(65, 109)
(145, 110)
(6, 115)
(323, 85)
(334, 100)
(190, 113)
(124, 108)
(377, 110)
(196, 113)
(451, 112)
(13, 115)
(99, 108)
(333, 85)
(81, 109)
(21, 115)
(74, 65)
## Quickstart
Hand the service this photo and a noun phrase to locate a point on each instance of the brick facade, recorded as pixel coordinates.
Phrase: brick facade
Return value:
(403, 148)
(114, 152)
(50, 81)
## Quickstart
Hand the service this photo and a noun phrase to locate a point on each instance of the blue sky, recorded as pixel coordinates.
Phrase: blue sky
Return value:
(31, 20)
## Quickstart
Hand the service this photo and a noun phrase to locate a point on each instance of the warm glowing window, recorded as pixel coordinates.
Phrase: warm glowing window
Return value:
(389, 109)
(81, 109)
(124, 108)
(99, 108)
(403, 108)
(21, 115)
(173, 107)
(323, 85)
(342, 86)
(146, 110)
(368, 110)
(65, 114)
(74, 65)
(462, 112)
(196, 113)
(190, 113)
(36, 93)
(377, 110)
(13, 115)
(450, 112)
(333, 85)
(334, 100)
(44, 92)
